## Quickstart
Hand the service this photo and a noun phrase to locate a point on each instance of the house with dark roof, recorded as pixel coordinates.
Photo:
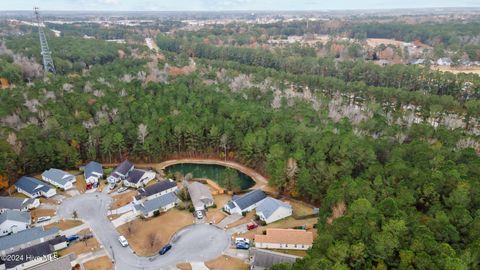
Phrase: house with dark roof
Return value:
(93, 172)
(120, 172)
(284, 239)
(245, 203)
(34, 188)
(155, 190)
(26, 238)
(261, 259)
(138, 178)
(271, 210)
(13, 221)
(19, 204)
(59, 178)
(200, 195)
(162, 203)
(34, 255)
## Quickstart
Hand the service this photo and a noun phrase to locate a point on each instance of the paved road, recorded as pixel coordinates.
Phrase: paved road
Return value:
(200, 242)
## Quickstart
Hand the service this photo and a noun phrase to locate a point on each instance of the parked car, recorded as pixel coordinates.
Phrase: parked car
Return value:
(43, 219)
(242, 245)
(122, 189)
(165, 249)
(199, 214)
(73, 237)
(111, 187)
(252, 225)
(240, 239)
(123, 241)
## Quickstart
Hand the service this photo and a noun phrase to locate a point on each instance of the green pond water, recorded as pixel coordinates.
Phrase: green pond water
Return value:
(213, 172)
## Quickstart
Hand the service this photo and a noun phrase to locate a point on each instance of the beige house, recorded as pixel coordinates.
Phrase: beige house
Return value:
(284, 239)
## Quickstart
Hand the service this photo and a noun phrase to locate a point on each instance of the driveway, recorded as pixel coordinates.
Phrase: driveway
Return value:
(192, 243)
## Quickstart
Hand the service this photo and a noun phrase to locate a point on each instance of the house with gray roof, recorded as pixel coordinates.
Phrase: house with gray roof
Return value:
(26, 238)
(13, 221)
(62, 263)
(156, 190)
(161, 204)
(271, 210)
(200, 195)
(93, 172)
(138, 178)
(245, 203)
(34, 188)
(59, 178)
(120, 172)
(264, 259)
(16, 203)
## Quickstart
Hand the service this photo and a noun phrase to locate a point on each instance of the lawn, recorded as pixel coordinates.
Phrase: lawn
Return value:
(35, 213)
(300, 209)
(287, 223)
(80, 247)
(49, 201)
(81, 185)
(215, 215)
(147, 236)
(102, 263)
(123, 199)
(226, 263)
(65, 224)
(299, 253)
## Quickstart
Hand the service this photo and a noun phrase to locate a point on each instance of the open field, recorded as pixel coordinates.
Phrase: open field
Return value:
(65, 224)
(226, 263)
(123, 199)
(145, 237)
(102, 263)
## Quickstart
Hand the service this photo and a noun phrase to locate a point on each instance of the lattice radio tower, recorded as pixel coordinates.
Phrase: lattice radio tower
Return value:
(46, 53)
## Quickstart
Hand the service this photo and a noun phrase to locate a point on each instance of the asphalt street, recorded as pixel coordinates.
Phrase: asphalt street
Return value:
(199, 242)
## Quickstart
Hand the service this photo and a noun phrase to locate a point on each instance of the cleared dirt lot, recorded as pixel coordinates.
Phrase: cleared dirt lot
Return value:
(64, 224)
(147, 236)
(41, 213)
(226, 263)
(123, 199)
(215, 215)
(102, 263)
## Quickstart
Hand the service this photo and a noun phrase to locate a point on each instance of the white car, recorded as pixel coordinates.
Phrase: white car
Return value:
(123, 241)
(239, 239)
(199, 214)
(122, 189)
(43, 219)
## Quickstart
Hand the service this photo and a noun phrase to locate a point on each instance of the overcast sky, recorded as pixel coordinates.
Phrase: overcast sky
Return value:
(160, 5)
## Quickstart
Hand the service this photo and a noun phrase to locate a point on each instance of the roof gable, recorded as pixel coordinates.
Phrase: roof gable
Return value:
(159, 202)
(32, 185)
(124, 167)
(58, 176)
(91, 168)
(250, 198)
(14, 202)
(25, 236)
(14, 215)
(156, 188)
(135, 175)
(268, 206)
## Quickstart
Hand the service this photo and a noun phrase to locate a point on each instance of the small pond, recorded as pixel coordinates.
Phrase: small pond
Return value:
(213, 172)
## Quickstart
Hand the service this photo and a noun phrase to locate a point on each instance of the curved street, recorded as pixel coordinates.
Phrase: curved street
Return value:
(199, 242)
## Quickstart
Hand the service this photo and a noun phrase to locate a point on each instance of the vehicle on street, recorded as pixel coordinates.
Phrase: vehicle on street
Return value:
(240, 239)
(43, 219)
(73, 237)
(165, 249)
(242, 245)
(199, 214)
(111, 187)
(252, 225)
(123, 241)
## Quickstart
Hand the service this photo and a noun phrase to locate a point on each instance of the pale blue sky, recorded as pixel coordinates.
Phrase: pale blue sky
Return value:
(161, 5)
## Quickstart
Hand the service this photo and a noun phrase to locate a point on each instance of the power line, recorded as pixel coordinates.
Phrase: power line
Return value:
(48, 65)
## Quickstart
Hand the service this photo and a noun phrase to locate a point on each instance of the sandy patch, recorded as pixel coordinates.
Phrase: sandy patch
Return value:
(226, 263)
(102, 263)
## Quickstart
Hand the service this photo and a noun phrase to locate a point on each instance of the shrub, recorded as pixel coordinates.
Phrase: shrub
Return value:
(156, 213)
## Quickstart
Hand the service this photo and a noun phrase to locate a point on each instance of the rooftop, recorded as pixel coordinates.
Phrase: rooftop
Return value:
(14, 203)
(157, 203)
(91, 168)
(270, 205)
(59, 176)
(156, 188)
(124, 167)
(285, 236)
(250, 198)
(32, 185)
(15, 215)
(263, 259)
(25, 236)
(135, 175)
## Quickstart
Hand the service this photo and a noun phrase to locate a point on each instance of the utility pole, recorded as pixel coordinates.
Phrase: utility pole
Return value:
(46, 53)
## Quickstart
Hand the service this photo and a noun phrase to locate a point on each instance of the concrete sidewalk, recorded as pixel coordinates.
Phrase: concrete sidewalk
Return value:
(85, 257)
(228, 220)
(75, 230)
(125, 218)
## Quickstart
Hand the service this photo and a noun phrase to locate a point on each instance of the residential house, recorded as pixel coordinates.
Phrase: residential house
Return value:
(284, 239)
(200, 195)
(445, 61)
(138, 178)
(155, 190)
(62, 263)
(120, 172)
(19, 204)
(271, 210)
(26, 238)
(161, 204)
(245, 203)
(34, 255)
(13, 221)
(34, 188)
(59, 178)
(264, 259)
(93, 172)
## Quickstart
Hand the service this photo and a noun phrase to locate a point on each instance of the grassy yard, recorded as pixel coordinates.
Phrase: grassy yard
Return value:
(35, 213)
(123, 199)
(80, 247)
(300, 253)
(226, 263)
(287, 223)
(215, 215)
(65, 224)
(81, 185)
(102, 263)
(147, 236)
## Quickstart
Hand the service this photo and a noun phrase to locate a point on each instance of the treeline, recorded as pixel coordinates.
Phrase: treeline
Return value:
(411, 78)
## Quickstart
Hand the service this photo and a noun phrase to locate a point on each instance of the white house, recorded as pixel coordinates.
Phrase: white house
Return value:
(155, 190)
(19, 204)
(59, 178)
(120, 172)
(12, 221)
(245, 203)
(93, 172)
(271, 210)
(161, 204)
(34, 188)
(138, 178)
(284, 239)
(200, 195)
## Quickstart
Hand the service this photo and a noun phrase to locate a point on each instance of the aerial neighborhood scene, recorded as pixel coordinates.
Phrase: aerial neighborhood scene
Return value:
(235, 135)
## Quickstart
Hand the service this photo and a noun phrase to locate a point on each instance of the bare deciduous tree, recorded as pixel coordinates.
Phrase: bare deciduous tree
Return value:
(142, 132)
